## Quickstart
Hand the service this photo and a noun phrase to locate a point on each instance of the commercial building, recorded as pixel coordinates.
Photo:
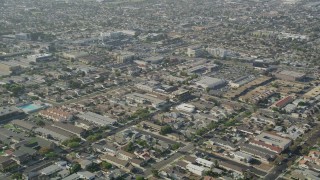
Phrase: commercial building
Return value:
(205, 162)
(56, 114)
(154, 59)
(198, 170)
(217, 52)
(202, 68)
(74, 55)
(40, 57)
(69, 128)
(145, 99)
(6, 163)
(51, 132)
(50, 169)
(223, 143)
(186, 108)
(272, 142)
(180, 94)
(211, 83)
(97, 119)
(283, 102)
(194, 51)
(290, 75)
(241, 156)
(241, 81)
(263, 154)
(149, 86)
(125, 57)
(10, 113)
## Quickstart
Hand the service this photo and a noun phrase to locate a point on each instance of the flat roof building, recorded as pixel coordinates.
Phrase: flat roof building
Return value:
(40, 57)
(290, 75)
(97, 119)
(272, 142)
(8, 113)
(198, 170)
(211, 83)
(145, 98)
(186, 108)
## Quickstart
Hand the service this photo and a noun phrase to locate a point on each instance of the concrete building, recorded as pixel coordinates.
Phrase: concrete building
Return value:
(72, 177)
(283, 102)
(241, 156)
(223, 143)
(186, 108)
(211, 83)
(198, 170)
(145, 99)
(56, 114)
(9, 113)
(290, 75)
(40, 57)
(194, 51)
(271, 142)
(241, 81)
(148, 86)
(154, 59)
(97, 119)
(217, 52)
(53, 133)
(74, 55)
(180, 94)
(263, 154)
(125, 57)
(86, 175)
(50, 170)
(205, 162)
(23, 36)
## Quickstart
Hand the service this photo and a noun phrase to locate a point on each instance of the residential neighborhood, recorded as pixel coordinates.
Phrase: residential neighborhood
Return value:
(171, 89)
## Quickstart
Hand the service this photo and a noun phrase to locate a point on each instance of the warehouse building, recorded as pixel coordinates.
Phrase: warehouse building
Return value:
(8, 113)
(271, 142)
(198, 170)
(211, 83)
(290, 75)
(97, 119)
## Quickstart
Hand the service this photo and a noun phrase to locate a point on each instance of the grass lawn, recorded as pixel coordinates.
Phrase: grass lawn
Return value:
(9, 126)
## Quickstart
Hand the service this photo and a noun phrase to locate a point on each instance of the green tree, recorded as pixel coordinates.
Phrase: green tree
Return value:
(166, 130)
(129, 147)
(140, 178)
(106, 165)
(51, 155)
(39, 122)
(176, 146)
(93, 167)
(73, 144)
(75, 168)
(16, 176)
(44, 150)
(216, 163)
(155, 173)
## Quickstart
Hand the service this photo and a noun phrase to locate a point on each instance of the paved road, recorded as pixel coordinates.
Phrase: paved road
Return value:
(177, 155)
(245, 167)
(164, 163)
